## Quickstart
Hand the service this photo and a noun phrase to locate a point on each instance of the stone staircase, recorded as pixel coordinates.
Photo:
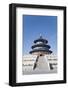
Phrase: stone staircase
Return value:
(42, 63)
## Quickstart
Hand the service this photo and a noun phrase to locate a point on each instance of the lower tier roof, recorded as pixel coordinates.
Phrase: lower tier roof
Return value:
(40, 51)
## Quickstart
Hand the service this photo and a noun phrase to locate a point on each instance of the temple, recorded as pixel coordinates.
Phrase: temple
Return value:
(40, 47)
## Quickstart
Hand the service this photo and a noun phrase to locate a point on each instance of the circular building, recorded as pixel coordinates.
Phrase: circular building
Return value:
(40, 47)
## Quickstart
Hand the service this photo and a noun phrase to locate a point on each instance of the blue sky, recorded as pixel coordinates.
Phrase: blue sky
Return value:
(36, 25)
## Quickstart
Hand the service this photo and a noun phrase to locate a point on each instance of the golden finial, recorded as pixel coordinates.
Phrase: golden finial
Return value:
(40, 36)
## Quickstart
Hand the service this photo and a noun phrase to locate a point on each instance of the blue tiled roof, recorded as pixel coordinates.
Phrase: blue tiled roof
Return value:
(40, 45)
(40, 39)
(40, 50)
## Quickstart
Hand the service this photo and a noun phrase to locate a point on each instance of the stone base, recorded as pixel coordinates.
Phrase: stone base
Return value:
(42, 67)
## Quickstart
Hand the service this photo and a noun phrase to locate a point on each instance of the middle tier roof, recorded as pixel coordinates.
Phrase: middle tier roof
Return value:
(41, 45)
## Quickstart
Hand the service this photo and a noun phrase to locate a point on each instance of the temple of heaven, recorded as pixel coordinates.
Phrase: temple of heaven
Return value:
(40, 47)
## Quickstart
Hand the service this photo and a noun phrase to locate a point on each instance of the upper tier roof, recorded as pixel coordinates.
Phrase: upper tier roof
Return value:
(40, 39)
